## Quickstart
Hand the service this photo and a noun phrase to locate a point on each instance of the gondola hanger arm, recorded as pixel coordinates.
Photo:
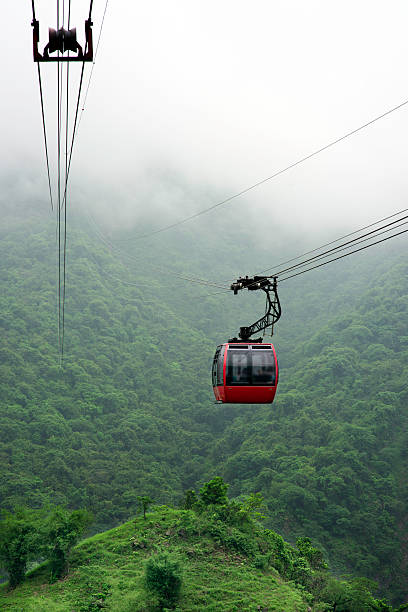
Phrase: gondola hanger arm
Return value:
(273, 309)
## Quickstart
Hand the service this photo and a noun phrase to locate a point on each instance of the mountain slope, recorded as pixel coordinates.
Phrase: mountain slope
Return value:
(132, 411)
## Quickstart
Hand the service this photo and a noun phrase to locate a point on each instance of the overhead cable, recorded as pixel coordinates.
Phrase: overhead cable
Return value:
(65, 196)
(61, 188)
(341, 256)
(116, 250)
(332, 242)
(59, 102)
(93, 65)
(64, 202)
(342, 246)
(45, 137)
(43, 122)
(77, 120)
(272, 176)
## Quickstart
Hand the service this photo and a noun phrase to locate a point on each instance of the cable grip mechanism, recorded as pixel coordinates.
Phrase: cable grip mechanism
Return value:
(273, 308)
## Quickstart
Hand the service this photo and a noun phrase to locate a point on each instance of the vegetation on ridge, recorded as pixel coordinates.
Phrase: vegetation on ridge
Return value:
(215, 556)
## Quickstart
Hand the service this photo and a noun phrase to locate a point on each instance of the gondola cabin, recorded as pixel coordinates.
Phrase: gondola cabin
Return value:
(245, 373)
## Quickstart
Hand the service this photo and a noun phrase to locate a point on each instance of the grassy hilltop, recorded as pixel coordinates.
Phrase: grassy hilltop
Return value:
(216, 550)
(109, 569)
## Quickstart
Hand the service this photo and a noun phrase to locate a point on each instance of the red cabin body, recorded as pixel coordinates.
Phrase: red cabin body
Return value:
(245, 373)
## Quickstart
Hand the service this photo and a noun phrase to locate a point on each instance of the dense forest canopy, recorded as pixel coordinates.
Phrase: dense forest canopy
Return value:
(132, 412)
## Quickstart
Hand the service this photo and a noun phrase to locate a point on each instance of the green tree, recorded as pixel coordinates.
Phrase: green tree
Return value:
(18, 543)
(62, 531)
(252, 504)
(163, 579)
(145, 502)
(351, 596)
(214, 492)
(312, 554)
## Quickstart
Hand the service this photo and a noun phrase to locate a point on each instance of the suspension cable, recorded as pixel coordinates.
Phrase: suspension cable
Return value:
(64, 200)
(43, 121)
(61, 188)
(272, 176)
(342, 246)
(345, 255)
(45, 136)
(93, 65)
(349, 246)
(59, 101)
(65, 197)
(332, 242)
(117, 251)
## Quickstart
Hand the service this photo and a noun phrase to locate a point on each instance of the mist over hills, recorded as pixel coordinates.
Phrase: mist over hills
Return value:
(132, 411)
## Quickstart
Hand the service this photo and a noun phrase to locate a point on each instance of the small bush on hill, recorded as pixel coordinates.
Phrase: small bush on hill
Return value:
(163, 579)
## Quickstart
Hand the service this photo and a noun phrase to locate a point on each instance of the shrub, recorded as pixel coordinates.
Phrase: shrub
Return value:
(231, 538)
(163, 579)
(190, 499)
(261, 562)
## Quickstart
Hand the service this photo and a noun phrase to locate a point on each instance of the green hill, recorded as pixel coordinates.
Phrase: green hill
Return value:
(111, 565)
(226, 561)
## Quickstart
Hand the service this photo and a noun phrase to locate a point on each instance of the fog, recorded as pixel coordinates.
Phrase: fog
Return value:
(192, 102)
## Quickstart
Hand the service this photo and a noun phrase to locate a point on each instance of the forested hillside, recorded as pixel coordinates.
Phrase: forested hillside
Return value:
(331, 457)
(132, 410)
(212, 554)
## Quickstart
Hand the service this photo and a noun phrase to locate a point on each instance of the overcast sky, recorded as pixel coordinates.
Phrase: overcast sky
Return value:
(192, 101)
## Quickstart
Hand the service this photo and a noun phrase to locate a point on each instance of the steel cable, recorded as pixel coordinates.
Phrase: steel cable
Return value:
(332, 242)
(342, 246)
(272, 176)
(45, 136)
(115, 249)
(345, 255)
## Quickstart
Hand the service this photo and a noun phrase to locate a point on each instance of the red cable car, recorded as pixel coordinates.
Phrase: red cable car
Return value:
(245, 373)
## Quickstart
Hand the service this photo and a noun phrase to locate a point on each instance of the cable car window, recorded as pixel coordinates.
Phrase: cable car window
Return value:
(263, 368)
(214, 367)
(238, 367)
(220, 367)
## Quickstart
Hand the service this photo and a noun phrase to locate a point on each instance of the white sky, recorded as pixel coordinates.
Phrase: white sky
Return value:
(220, 94)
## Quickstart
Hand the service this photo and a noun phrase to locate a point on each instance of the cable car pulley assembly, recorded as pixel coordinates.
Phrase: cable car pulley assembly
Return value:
(63, 40)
